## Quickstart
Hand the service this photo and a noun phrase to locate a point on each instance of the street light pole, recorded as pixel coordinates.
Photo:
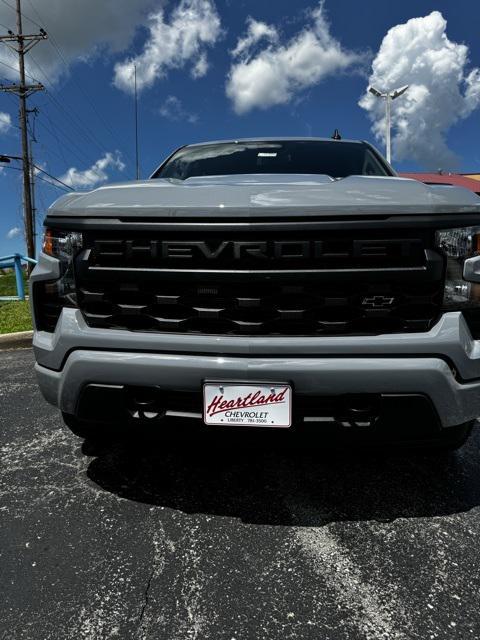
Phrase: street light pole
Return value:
(388, 127)
(137, 161)
(388, 96)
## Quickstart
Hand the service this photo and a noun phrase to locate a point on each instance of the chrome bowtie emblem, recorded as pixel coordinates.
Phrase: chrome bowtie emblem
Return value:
(377, 302)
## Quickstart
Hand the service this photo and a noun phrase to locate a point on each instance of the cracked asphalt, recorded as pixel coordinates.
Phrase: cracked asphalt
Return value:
(164, 540)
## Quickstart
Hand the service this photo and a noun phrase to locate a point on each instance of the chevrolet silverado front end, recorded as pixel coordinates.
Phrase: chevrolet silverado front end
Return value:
(280, 283)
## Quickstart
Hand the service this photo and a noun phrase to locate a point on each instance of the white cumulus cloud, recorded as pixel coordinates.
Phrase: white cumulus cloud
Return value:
(80, 28)
(13, 233)
(173, 109)
(179, 41)
(94, 175)
(274, 74)
(442, 90)
(200, 67)
(5, 122)
(256, 31)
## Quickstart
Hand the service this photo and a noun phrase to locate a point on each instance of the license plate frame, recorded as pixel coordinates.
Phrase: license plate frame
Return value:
(265, 404)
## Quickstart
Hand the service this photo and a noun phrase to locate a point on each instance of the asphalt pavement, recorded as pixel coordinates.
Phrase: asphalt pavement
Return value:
(166, 540)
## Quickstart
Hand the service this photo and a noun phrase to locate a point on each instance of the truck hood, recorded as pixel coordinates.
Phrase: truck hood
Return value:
(267, 195)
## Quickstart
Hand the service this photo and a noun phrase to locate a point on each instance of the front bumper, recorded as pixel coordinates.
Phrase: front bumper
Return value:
(455, 402)
(443, 364)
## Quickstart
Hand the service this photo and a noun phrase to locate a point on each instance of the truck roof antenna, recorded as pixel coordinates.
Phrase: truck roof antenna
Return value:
(336, 135)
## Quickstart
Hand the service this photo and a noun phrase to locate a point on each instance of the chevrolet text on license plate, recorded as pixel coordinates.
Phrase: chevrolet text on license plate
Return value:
(249, 405)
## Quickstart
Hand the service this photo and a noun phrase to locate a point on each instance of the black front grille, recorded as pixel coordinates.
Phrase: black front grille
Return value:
(341, 284)
(301, 310)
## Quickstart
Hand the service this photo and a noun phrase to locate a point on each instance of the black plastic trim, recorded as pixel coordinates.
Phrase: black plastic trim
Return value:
(256, 223)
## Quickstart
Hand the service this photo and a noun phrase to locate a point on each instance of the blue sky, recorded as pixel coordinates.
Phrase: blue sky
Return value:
(84, 129)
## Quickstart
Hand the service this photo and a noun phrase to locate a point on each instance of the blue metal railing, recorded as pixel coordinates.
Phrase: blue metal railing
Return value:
(15, 261)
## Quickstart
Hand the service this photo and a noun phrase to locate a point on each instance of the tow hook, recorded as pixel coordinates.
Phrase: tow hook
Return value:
(360, 412)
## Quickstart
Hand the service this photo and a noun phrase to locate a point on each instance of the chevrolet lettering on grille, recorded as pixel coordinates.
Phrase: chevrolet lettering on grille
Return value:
(258, 250)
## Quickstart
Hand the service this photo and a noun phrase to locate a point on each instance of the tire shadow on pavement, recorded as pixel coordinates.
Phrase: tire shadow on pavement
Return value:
(259, 479)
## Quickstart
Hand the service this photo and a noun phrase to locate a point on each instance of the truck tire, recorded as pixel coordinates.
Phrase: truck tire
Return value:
(452, 438)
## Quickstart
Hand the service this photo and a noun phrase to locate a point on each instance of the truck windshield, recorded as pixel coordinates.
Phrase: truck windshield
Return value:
(333, 158)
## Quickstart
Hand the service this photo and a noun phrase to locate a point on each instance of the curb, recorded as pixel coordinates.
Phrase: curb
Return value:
(16, 340)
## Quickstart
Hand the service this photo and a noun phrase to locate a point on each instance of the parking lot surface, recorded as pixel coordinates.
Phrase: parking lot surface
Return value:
(227, 542)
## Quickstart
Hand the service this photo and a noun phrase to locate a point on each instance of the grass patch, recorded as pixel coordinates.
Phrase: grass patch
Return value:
(8, 284)
(15, 316)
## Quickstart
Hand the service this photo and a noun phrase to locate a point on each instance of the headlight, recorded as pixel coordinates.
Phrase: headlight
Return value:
(61, 244)
(461, 247)
(50, 296)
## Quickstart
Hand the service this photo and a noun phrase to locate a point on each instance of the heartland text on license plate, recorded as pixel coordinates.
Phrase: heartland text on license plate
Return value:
(253, 405)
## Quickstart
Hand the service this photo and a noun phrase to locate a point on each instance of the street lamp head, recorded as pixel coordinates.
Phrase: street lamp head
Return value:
(376, 92)
(4, 159)
(399, 92)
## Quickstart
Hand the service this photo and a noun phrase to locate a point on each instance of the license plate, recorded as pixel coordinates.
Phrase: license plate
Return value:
(248, 405)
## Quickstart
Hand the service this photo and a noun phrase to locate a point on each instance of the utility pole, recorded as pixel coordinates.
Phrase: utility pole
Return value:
(21, 44)
(32, 176)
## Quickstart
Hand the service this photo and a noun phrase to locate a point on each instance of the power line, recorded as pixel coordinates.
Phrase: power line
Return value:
(14, 9)
(64, 184)
(57, 140)
(77, 151)
(48, 151)
(16, 69)
(52, 184)
(24, 15)
(58, 50)
(70, 115)
(81, 127)
(8, 5)
(9, 66)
